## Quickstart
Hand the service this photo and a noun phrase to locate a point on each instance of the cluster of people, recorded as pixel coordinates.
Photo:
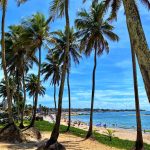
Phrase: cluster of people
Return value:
(101, 125)
(105, 125)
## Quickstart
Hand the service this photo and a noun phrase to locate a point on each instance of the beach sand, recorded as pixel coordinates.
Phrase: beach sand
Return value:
(71, 142)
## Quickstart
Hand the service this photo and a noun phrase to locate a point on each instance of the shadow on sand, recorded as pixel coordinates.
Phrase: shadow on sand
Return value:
(69, 145)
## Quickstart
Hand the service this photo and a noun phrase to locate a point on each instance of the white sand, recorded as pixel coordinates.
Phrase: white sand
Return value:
(71, 142)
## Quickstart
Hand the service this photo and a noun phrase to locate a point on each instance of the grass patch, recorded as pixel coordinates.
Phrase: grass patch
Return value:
(116, 142)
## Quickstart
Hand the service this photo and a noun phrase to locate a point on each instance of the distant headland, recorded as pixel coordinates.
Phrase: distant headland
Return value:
(97, 110)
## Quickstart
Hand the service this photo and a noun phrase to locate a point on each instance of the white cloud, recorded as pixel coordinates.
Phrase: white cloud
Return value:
(124, 64)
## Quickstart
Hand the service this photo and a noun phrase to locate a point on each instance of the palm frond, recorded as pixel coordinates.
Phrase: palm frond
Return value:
(19, 2)
(146, 3)
(57, 8)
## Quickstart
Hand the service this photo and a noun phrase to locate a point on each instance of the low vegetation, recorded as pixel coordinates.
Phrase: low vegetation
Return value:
(110, 133)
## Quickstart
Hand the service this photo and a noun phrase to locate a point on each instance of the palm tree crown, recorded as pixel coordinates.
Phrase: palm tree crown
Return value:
(12, 88)
(33, 85)
(18, 52)
(36, 30)
(59, 40)
(115, 5)
(51, 68)
(93, 29)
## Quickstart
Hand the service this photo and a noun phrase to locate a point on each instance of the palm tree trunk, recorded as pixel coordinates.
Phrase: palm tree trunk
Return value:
(55, 132)
(18, 90)
(33, 104)
(55, 97)
(69, 98)
(139, 140)
(138, 41)
(4, 62)
(36, 94)
(23, 107)
(34, 111)
(89, 134)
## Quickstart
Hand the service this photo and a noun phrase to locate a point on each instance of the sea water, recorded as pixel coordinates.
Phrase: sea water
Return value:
(126, 119)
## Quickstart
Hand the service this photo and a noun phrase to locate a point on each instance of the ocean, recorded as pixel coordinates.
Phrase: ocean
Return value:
(126, 120)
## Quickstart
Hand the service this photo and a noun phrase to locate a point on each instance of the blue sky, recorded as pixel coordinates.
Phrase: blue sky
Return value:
(114, 82)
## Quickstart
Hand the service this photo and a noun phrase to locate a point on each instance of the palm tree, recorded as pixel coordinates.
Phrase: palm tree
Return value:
(14, 56)
(93, 31)
(59, 41)
(139, 47)
(12, 88)
(52, 69)
(136, 34)
(3, 3)
(59, 8)
(19, 60)
(33, 87)
(13, 93)
(139, 140)
(37, 31)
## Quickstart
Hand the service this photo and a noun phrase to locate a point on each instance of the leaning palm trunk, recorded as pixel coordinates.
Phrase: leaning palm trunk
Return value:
(139, 140)
(89, 134)
(69, 98)
(36, 94)
(138, 41)
(24, 101)
(4, 62)
(55, 132)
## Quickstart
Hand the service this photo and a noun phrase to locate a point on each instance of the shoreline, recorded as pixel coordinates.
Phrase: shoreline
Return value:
(115, 124)
(126, 134)
(112, 126)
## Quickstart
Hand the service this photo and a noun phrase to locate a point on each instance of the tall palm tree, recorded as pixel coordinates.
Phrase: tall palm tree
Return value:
(136, 34)
(19, 60)
(52, 69)
(37, 31)
(59, 40)
(139, 47)
(33, 87)
(3, 3)
(93, 31)
(139, 140)
(59, 8)
(14, 56)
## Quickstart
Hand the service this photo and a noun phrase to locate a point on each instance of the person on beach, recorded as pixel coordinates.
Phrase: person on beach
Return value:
(105, 126)
(79, 123)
